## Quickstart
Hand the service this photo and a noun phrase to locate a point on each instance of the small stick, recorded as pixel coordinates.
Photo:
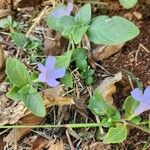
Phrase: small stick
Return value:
(36, 21)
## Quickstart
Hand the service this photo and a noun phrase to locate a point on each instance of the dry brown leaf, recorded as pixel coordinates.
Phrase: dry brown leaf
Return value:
(1, 57)
(107, 87)
(54, 43)
(4, 12)
(41, 143)
(54, 96)
(95, 146)
(103, 52)
(17, 134)
(11, 112)
(38, 144)
(4, 4)
(28, 3)
(2, 144)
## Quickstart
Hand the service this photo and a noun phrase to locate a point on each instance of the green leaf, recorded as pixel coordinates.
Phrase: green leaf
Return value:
(136, 120)
(64, 60)
(87, 73)
(127, 4)
(52, 22)
(80, 53)
(3, 23)
(116, 135)
(66, 22)
(82, 64)
(14, 95)
(27, 89)
(83, 17)
(130, 105)
(19, 39)
(111, 31)
(67, 80)
(17, 72)
(98, 105)
(78, 32)
(89, 80)
(34, 102)
(60, 24)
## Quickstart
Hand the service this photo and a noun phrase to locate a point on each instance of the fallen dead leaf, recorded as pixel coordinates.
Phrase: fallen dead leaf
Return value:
(38, 144)
(27, 3)
(103, 52)
(11, 112)
(107, 87)
(4, 12)
(54, 43)
(95, 146)
(17, 134)
(41, 143)
(54, 96)
(4, 4)
(2, 144)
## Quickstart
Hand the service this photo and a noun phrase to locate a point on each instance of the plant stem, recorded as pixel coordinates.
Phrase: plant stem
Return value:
(79, 125)
(136, 126)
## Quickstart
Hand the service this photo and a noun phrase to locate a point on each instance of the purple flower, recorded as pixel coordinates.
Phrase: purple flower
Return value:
(63, 10)
(143, 98)
(48, 72)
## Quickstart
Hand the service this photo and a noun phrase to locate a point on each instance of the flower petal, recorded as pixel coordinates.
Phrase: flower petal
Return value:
(147, 95)
(141, 108)
(137, 94)
(52, 83)
(41, 67)
(50, 62)
(42, 77)
(58, 73)
(69, 8)
(59, 11)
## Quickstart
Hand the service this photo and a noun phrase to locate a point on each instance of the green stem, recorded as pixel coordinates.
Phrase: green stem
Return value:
(136, 126)
(79, 125)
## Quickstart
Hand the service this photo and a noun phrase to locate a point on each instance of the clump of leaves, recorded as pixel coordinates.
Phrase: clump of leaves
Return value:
(80, 57)
(100, 30)
(9, 23)
(22, 87)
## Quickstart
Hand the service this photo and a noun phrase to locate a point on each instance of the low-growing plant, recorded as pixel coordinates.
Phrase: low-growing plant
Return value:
(99, 30)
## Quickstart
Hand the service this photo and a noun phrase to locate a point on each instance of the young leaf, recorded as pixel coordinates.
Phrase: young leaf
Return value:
(66, 22)
(60, 24)
(26, 89)
(116, 135)
(17, 72)
(14, 95)
(67, 80)
(130, 105)
(80, 53)
(52, 22)
(127, 4)
(64, 60)
(3, 23)
(34, 102)
(83, 17)
(19, 39)
(99, 106)
(78, 32)
(111, 31)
